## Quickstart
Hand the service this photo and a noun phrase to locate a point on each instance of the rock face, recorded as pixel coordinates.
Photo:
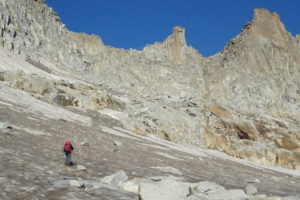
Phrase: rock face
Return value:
(244, 101)
(265, 55)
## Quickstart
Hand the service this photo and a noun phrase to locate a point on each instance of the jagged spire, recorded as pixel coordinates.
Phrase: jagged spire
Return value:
(269, 25)
(176, 43)
(178, 36)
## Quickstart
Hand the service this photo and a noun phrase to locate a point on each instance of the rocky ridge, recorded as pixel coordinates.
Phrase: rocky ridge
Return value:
(243, 101)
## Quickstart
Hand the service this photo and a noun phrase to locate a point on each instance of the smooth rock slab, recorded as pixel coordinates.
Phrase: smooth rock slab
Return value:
(171, 170)
(59, 183)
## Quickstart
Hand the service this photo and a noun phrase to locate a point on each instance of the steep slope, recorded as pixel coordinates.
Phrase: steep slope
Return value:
(243, 101)
(34, 129)
(113, 104)
(257, 74)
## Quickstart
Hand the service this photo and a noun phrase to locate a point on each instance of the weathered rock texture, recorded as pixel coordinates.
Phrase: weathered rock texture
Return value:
(244, 101)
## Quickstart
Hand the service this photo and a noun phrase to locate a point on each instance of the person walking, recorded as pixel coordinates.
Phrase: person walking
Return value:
(68, 149)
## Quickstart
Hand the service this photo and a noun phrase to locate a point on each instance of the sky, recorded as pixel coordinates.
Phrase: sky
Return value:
(209, 24)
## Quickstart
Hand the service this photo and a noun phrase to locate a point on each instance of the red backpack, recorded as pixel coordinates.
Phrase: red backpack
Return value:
(68, 147)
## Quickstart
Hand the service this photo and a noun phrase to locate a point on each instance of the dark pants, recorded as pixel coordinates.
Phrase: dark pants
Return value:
(68, 158)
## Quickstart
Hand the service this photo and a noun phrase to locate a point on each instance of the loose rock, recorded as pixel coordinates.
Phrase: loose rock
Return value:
(118, 143)
(81, 167)
(251, 189)
(84, 143)
(116, 179)
(76, 183)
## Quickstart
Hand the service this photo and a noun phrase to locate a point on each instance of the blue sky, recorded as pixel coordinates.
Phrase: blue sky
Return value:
(209, 24)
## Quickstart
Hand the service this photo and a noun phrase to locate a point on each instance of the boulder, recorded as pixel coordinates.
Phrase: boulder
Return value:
(251, 189)
(117, 179)
(213, 191)
(76, 183)
(3, 125)
(118, 143)
(81, 167)
(131, 186)
(236, 194)
(197, 196)
(206, 187)
(84, 143)
(167, 189)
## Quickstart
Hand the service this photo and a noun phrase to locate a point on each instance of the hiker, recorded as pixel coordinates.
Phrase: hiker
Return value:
(68, 149)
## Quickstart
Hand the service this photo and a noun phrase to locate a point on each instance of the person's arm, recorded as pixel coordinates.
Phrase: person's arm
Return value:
(72, 147)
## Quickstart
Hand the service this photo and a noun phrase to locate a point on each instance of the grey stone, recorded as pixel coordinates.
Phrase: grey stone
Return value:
(60, 183)
(167, 189)
(76, 183)
(230, 194)
(118, 143)
(81, 167)
(253, 181)
(251, 189)
(131, 186)
(117, 179)
(171, 170)
(236, 194)
(197, 196)
(3, 125)
(84, 143)
(96, 184)
(206, 187)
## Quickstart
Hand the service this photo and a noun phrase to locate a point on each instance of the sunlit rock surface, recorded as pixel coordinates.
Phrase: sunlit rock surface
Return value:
(56, 85)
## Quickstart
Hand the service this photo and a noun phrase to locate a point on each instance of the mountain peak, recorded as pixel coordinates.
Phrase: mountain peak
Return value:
(269, 24)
